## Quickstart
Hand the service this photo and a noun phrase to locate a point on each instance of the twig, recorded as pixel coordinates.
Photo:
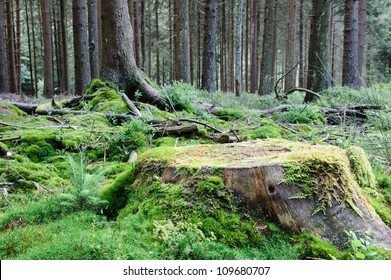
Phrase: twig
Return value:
(10, 138)
(9, 202)
(6, 184)
(283, 76)
(288, 128)
(304, 90)
(39, 187)
(10, 125)
(202, 123)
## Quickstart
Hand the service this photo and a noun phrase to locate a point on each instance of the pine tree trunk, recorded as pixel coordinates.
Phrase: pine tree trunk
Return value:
(48, 87)
(93, 33)
(266, 75)
(350, 70)
(80, 43)
(64, 49)
(3, 54)
(362, 22)
(290, 47)
(10, 48)
(136, 24)
(157, 42)
(254, 49)
(317, 76)
(29, 48)
(302, 79)
(184, 41)
(18, 62)
(176, 49)
(118, 63)
(34, 50)
(239, 51)
(210, 41)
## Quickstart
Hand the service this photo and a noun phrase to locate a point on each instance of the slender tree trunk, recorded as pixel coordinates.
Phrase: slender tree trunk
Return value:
(362, 36)
(266, 76)
(302, 70)
(350, 70)
(18, 62)
(80, 43)
(210, 40)
(3, 53)
(142, 33)
(176, 29)
(254, 48)
(10, 48)
(64, 48)
(317, 76)
(290, 79)
(93, 33)
(223, 43)
(332, 45)
(56, 57)
(118, 63)
(184, 41)
(246, 74)
(199, 56)
(137, 36)
(157, 42)
(149, 38)
(35, 70)
(239, 50)
(48, 87)
(29, 48)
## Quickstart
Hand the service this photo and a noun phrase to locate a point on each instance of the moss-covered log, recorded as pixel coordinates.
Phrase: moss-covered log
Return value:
(302, 187)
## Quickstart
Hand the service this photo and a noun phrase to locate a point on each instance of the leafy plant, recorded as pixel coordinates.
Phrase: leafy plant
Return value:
(85, 192)
(361, 247)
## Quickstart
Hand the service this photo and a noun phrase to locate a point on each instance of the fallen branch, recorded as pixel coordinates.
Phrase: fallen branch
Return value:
(279, 109)
(177, 130)
(202, 123)
(40, 187)
(75, 101)
(10, 139)
(280, 79)
(303, 90)
(131, 105)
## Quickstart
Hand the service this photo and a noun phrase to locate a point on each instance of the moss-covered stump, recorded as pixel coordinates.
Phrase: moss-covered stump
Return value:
(311, 188)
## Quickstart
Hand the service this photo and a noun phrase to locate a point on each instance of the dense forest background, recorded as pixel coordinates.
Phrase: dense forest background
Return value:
(53, 47)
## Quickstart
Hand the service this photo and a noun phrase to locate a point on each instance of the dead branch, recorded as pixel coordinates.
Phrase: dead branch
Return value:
(202, 123)
(303, 90)
(75, 101)
(131, 105)
(10, 138)
(177, 130)
(280, 79)
(279, 109)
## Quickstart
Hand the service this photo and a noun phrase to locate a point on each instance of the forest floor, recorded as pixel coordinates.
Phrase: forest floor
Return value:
(57, 173)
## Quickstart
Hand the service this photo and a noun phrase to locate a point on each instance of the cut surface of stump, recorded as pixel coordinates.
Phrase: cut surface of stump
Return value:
(311, 188)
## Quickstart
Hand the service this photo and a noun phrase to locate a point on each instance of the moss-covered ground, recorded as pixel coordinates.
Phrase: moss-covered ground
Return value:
(145, 218)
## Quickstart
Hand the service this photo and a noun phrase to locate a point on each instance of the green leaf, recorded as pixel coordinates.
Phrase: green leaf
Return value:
(357, 243)
(359, 255)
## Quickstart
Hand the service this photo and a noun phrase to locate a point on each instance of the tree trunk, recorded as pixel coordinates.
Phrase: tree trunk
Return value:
(157, 42)
(350, 70)
(93, 28)
(209, 54)
(80, 43)
(184, 42)
(3, 54)
(290, 79)
(137, 36)
(266, 75)
(64, 88)
(239, 51)
(18, 62)
(302, 55)
(118, 63)
(10, 48)
(362, 22)
(254, 48)
(317, 75)
(176, 49)
(48, 90)
(34, 50)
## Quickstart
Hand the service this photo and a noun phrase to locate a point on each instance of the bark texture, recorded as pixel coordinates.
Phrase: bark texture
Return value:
(3, 54)
(48, 83)
(118, 63)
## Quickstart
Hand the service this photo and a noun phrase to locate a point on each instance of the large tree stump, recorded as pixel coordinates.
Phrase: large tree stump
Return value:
(311, 188)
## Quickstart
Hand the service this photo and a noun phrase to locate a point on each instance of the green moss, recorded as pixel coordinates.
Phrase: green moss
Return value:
(323, 174)
(108, 101)
(116, 194)
(39, 153)
(97, 85)
(320, 249)
(231, 114)
(361, 167)
(9, 109)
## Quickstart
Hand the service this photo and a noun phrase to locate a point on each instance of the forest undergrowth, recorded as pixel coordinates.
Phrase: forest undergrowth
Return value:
(68, 181)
